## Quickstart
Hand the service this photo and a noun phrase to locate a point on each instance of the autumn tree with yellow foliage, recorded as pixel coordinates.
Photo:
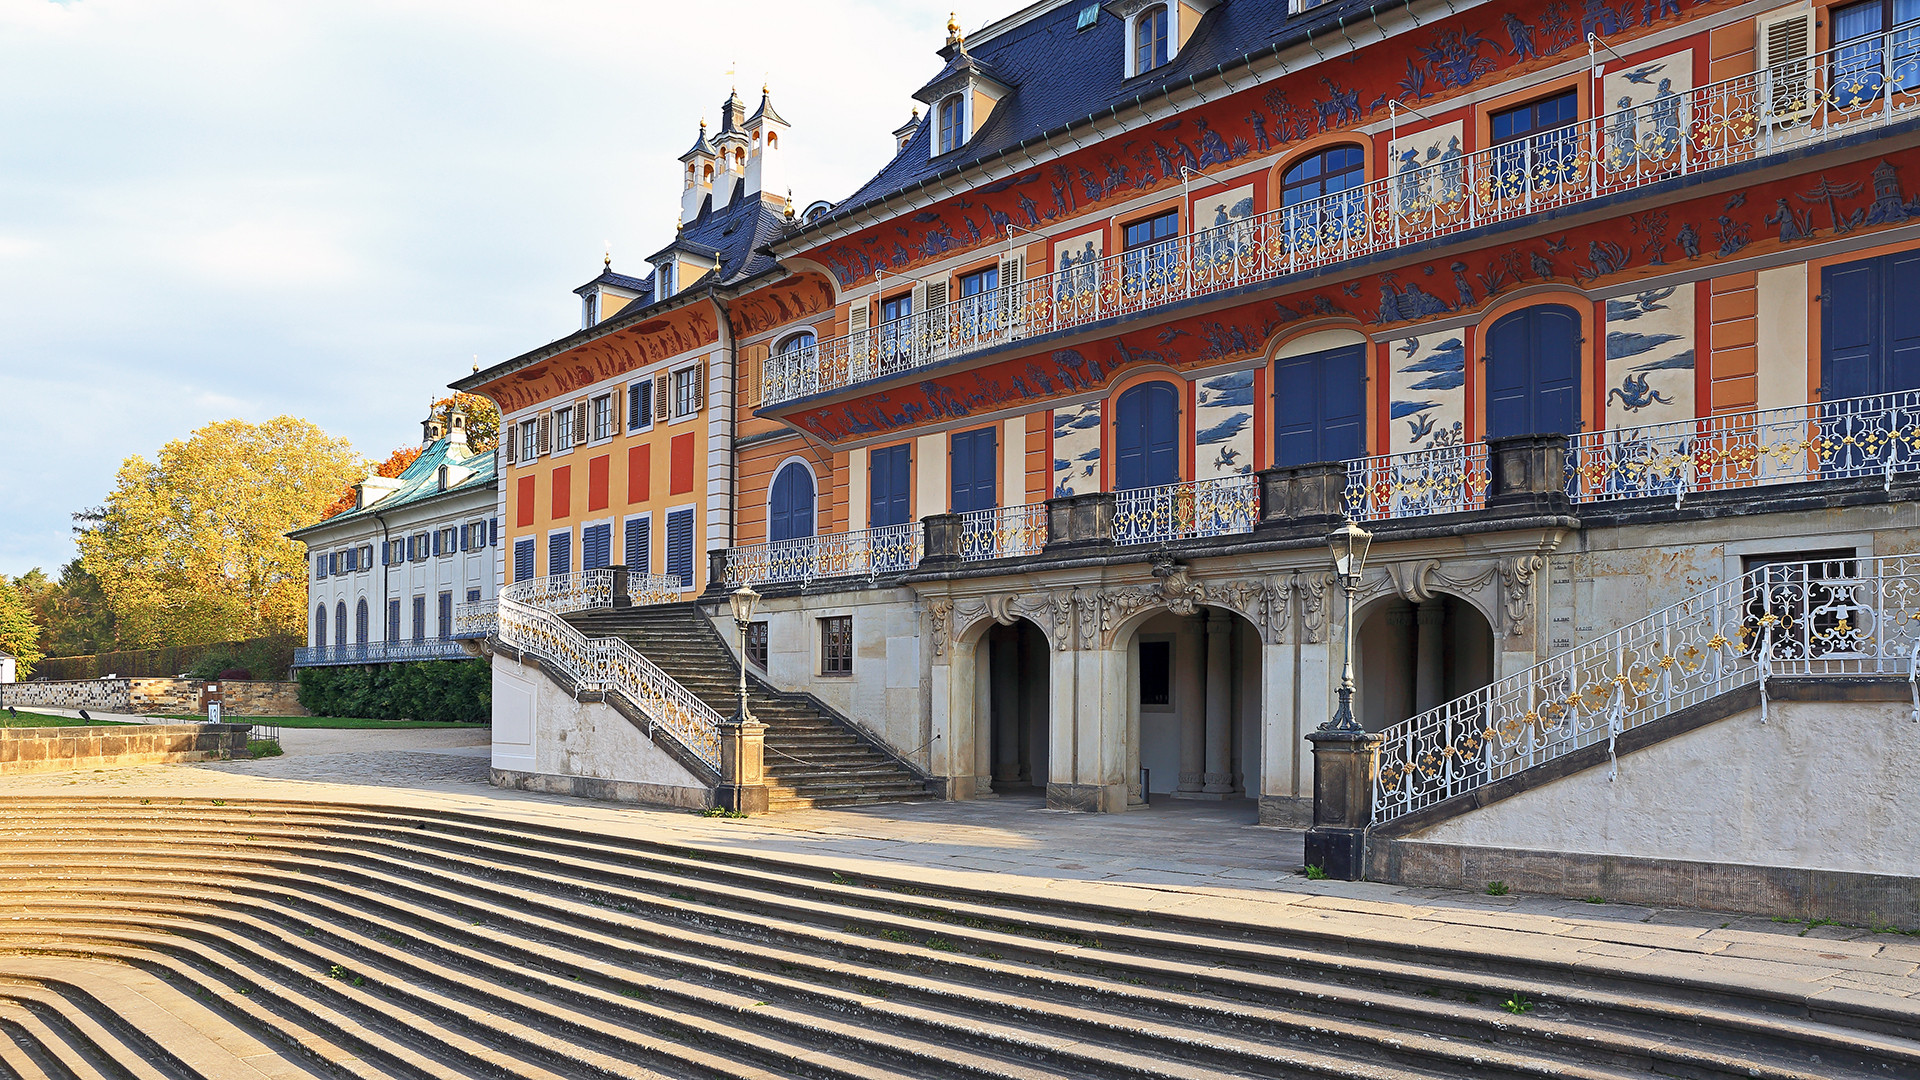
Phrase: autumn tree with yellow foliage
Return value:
(192, 547)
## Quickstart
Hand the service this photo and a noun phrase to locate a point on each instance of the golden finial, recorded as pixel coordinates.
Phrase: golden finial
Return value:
(703, 125)
(789, 204)
(607, 259)
(679, 222)
(476, 363)
(953, 28)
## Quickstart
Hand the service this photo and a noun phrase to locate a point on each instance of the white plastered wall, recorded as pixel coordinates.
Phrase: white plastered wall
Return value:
(538, 728)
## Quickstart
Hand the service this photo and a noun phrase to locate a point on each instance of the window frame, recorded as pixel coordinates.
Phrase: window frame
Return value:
(529, 439)
(1163, 44)
(562, 430)
(948, 138)
(1321, 154)
(836, 646)
(689, 374)
(600, 418)
(1152, 220)
(645, 395)
(758, 639)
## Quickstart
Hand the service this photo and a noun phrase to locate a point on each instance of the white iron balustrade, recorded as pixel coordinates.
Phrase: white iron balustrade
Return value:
(1003, 532)
(1877, 435)
(1182, 511)
(1858, 86)
(1805, 619)
(377, 652)
(889, 549)
(606, 665)
(1443, 480)
(475, 620)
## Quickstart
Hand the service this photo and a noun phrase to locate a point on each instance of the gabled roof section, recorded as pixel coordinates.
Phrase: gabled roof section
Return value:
(643, 286)
(420, 483)
(961, 70)
(733, 235)
(1062, 76)
(701, 147)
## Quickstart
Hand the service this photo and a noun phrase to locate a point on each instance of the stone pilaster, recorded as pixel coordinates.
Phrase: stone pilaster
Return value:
(743, 779)
(1344, 763)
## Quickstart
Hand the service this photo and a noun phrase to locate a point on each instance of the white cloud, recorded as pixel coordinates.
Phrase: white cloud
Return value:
(328, 208)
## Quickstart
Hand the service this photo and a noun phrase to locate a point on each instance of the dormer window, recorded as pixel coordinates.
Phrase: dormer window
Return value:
(1150, 39)
(589, 310)
(952, 128)
(665, 276)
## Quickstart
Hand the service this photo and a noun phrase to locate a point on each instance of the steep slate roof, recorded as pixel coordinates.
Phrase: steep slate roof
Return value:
(733, 235)
(643, 286)
(1062, 76)
(419, 483)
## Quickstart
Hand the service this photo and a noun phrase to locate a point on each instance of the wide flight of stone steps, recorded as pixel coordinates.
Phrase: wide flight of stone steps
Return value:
(813, 758)
(279, 939)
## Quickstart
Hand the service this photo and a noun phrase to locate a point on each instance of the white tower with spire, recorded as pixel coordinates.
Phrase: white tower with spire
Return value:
(731, 144)
(766, 171)
(700, 165)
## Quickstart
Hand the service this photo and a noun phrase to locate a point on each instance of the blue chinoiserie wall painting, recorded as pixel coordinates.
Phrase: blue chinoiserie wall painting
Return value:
(1223, 425)
(1076, 449)
(1650, 356)
(1429, 391)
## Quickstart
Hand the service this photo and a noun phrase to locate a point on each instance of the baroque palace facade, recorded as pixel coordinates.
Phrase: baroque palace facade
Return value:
(1031, 446)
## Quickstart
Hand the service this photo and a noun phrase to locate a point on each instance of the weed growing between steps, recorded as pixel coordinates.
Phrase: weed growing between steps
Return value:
(264, 748)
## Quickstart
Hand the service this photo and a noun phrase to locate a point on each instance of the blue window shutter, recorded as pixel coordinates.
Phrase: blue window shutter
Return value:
(437, 534)
(523, 559)
(973, 468)
(596, 547)
(393, 620)
(559, 554)
(493, 532)
(639, 541)
(1343, 404)
(319, 565)
(1849, 327)
(1533, 372)
(1146, 437)
(1902, 289)
(680, 546)
(446, 616)
(419, 618)
(410, 551)
(889, 476)
(789, 507)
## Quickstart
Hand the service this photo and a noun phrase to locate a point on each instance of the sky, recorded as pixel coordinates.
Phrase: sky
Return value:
(331, 209)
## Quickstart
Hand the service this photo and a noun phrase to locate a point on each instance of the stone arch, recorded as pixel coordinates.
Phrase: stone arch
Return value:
(1193, 697)
(1414, 650)
(1007, 657)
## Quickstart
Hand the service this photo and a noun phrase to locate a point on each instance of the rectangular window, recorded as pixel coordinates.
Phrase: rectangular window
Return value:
(1535, 141)
(889, 478)
(596, 546)
(680, 547)
(450, 539)
(422, 546)
(1153, 230)
(603, 417)
(529, 440)
(981, 281)
(562, 491)
(639, 472)
(559, 553)
(446, 616)
(836, 645)
(319, 566)
(419, 618)
(974, 463)
(393, 620)
(1156, 673)
(1150, 39)
(640, 405)
(523, 559)
(757, 644)
(897, 308)
(639, 542)
(686, 391)
(366, 557)
(563, 430)
(599, 471)
(473, 596)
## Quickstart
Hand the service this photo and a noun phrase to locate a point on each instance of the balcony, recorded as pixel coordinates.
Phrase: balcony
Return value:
(868, 553)
(1169, 512)
(1004, 532)
(479, 619)
(1862, 85)
(378, 652)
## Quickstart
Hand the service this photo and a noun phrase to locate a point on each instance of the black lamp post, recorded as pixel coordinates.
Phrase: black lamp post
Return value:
(1349, 543)
(744, 601)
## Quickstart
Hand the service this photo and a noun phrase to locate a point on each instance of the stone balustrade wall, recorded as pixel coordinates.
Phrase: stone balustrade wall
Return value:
(154, 697)
(53, 749)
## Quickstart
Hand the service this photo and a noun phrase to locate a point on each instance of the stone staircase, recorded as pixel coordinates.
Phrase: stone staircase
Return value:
(814, 757)
(209, 939)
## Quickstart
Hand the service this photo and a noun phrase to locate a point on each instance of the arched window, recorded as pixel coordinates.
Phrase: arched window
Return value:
(360, 623)
(1533, 372)
(1322, 414)
(1146, 437)
(799, 342)
(790, 514)
(773, 140)
(340, 622)
(1150, 39)
(320, 626)
(952, 129)
(1321, 198)
(707, 173)
(1327, 172)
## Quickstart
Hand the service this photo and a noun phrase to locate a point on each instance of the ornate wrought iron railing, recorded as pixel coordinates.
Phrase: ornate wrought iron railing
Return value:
(1182, 511)
(377, 652)
(584, 590)
(1848, 617)
(475, 620)
(1003, 532)
(1443, 480)
(1859, 85)
(889, 549)
(607, 665)
(1877, 435)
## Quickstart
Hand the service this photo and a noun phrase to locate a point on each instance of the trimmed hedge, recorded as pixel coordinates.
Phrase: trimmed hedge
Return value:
(445, 690)
(265, 657)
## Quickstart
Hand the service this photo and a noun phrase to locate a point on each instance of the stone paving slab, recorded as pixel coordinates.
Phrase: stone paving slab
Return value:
(1207, 860)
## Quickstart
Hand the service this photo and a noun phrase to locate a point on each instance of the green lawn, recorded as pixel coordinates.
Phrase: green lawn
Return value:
(32, 719)
(334, 722)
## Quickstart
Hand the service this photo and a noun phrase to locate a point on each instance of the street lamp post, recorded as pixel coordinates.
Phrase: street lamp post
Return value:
(744, 601)
(1349, 543)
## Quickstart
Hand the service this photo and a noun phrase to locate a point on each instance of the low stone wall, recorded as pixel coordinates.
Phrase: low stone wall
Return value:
(155, 697)
(53, 749)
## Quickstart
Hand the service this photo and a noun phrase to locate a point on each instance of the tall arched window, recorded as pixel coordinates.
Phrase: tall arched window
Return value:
(1321, 198)
(1146, 437)
(340, 622)
(320, 626)
(790, 513)
(360, 623)
(1150, 39)
(953, 123)
(1533, 372)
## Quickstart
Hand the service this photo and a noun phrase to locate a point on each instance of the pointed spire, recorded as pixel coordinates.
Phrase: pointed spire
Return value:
(765, 111)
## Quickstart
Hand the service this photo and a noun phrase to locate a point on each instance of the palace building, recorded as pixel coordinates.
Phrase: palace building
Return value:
(1031, 445)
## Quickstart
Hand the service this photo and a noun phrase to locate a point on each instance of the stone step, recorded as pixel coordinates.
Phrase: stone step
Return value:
(1237, 992)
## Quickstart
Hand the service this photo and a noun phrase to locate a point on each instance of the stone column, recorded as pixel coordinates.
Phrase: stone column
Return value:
(1429, 619)
(1190, 707)
(982, 656)
(1006, 709)
(1343, 766)
(743, 781)
(1219, 732)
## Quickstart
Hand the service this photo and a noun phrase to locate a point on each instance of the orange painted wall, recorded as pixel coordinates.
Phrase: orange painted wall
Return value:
(1733, 354)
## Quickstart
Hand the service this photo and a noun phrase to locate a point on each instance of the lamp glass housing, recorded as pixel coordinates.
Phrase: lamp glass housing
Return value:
(744, 601)
(1349, 543)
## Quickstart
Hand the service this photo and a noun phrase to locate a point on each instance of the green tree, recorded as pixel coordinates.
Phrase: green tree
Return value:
(81, 623)
(19, 633)
(192, 547)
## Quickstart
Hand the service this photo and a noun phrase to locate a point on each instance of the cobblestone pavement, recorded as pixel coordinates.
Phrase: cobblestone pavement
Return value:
(1199, 857)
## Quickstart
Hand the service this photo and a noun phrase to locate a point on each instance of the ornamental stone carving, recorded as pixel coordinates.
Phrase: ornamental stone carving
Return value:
(940, 611)
(1312, 591)
(1517, 577)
